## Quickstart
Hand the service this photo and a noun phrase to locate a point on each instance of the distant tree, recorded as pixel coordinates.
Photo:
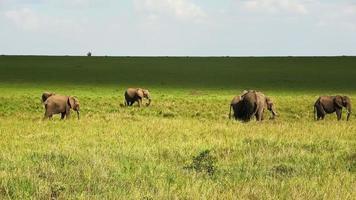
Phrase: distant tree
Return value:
(89, 54)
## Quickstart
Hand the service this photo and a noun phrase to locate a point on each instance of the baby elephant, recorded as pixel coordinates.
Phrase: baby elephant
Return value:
(329, 104)
(133, 95)
(56, 104)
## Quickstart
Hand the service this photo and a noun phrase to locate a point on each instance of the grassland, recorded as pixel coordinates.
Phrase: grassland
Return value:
(153, 152)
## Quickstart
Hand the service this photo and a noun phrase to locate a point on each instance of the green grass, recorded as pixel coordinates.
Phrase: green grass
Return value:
(147, 153)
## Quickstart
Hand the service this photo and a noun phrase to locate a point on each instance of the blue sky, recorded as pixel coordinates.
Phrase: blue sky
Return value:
(178, 27)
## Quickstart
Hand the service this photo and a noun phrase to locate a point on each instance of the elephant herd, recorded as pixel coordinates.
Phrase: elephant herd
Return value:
(249, 104)
(59, 104)
(252, 103)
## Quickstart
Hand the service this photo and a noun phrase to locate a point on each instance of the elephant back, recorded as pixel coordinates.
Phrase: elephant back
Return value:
(130, 93)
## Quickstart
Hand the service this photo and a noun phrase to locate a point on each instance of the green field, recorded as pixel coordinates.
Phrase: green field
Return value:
(183, 146)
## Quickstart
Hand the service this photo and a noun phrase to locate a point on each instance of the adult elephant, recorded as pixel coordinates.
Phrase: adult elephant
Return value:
(252, 103)
(133, 95)
(46, 95)
(59, 104)
(329, 104)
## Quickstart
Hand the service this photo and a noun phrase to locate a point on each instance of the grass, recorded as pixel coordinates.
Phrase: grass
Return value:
(168, 150)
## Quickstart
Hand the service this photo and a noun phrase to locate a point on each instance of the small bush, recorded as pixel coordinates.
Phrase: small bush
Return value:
(282, 170)
(167, 114)
(204, 162)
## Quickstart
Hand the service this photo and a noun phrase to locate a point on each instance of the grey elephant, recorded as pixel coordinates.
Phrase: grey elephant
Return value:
(133, 95)
(59, 104)
(236, 101)
(45, 96)
(251, 104)
(329, 104)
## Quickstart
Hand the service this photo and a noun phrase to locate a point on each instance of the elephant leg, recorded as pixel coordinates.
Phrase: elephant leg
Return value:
(259, 115)
(320, 112)
(129, 103)
(63, 115)
(322, 116)
(235, 114)
(230, 112)
(338, 114)
(139, 102)
(318, 115)
(47, 115)
(67, 113)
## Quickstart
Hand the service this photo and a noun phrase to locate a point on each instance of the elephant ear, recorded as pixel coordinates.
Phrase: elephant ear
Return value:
(338, 101)
(243, 93)
(146, 93)
(269, 103)
(71, 102)
(345, 100)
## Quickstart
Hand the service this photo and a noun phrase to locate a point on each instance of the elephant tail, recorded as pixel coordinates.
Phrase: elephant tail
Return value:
(230, 112)
(315, 117)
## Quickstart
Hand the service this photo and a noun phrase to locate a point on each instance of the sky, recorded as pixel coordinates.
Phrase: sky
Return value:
(178, 27)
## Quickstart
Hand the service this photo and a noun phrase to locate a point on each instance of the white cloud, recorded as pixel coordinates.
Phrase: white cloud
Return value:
(28, 19)
(76, 3)
(338, 16)
(350, 9)
(180, 9)
(23, 18)
(173, 27)
(276, 6)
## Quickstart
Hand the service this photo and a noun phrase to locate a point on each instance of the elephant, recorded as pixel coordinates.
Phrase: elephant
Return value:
(329, 104)
(133, 95)
(56, 104)
(236, 101)
(45, 96)
(251, 103)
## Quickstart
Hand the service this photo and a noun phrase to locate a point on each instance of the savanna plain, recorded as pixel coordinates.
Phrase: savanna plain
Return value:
(183, 146)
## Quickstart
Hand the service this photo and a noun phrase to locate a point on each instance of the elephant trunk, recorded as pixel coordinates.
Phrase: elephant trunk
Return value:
(274, 113)
(78, 114)
(348, 108)
(149, 101)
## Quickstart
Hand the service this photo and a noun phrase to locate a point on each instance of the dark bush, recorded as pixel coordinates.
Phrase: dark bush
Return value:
(282, 170)
(204, 162)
